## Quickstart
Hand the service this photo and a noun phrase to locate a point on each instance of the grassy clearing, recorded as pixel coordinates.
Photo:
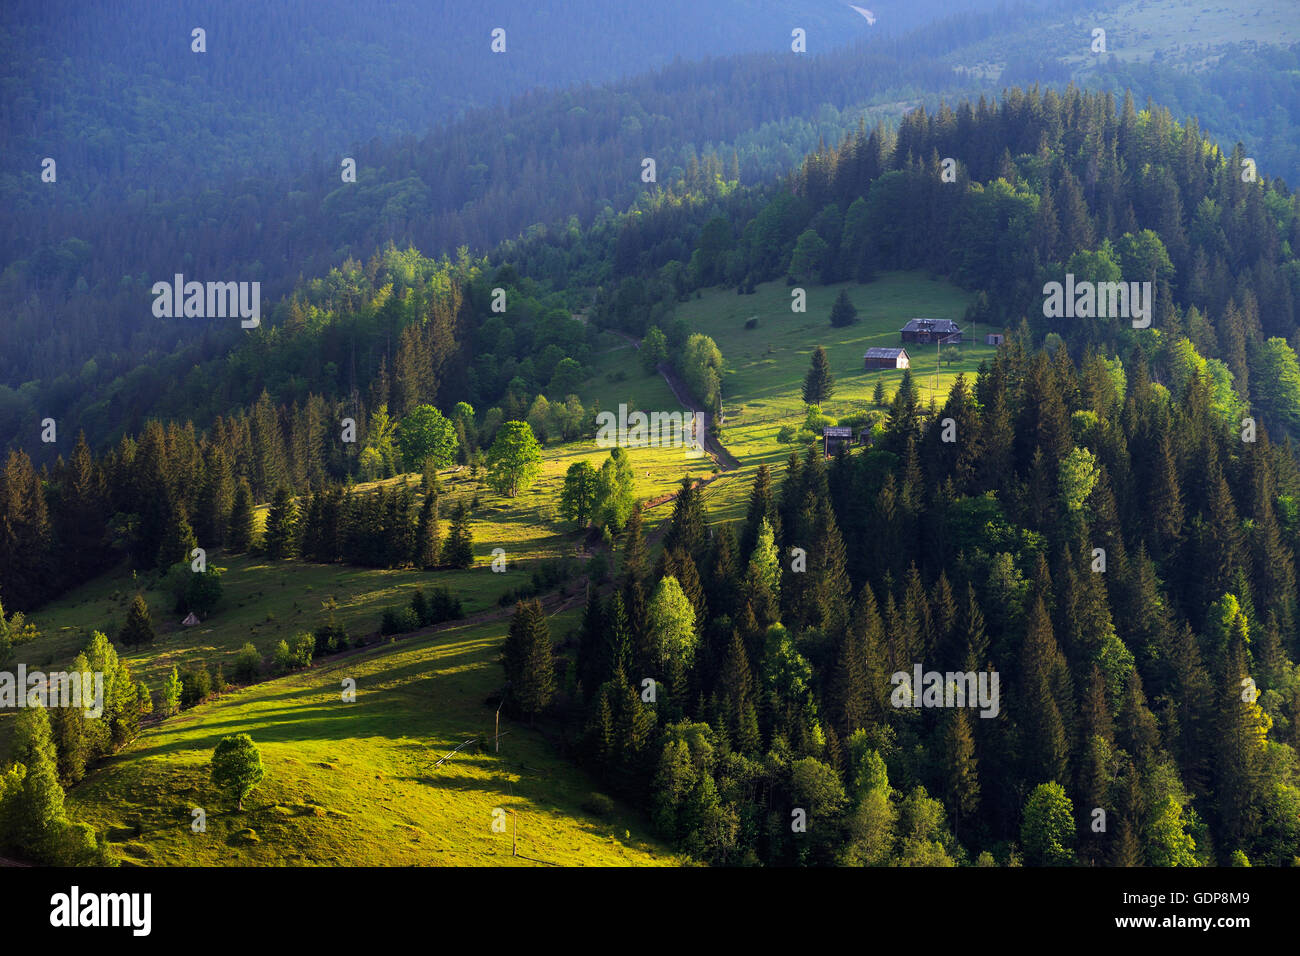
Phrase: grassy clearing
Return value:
(355, 784)
(765, 366)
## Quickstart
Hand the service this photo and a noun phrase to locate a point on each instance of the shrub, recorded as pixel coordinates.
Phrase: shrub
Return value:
(444, 606)
(248, 663)
(330, 639)
(751, 323)
(195, 591)
(420, 607)
(304, 645)
(398, 621)
(599, 805)
(283, 659)
(785, 434)
(196, 686)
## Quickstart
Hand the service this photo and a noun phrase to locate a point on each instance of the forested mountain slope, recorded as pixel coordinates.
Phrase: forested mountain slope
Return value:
(1113, 531)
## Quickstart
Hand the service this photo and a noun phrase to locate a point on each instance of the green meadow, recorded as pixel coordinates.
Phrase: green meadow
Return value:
(355, 784)
(766, 365)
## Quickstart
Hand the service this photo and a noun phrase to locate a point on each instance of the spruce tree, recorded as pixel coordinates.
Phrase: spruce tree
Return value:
(762, 505)
(178, 541)
(592, 666)
(961, 773)
(1165, 509)
(618, 637)
(689, 530)
(736, 681)
(843, 312)
(819, 383)
(1045, 744)
(427, 533)
(280, 540)
(635, 551)
(904, 414)
(83, 516)
(138, 629)
(1240, 744)
(458, 549)
(216, 499)
(527, 656)
(598, 736)
(724, 573)
(240, 535)
(72, 736)
(849, 688)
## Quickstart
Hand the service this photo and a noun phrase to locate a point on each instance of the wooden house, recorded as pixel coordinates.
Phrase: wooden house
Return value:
(929, 331)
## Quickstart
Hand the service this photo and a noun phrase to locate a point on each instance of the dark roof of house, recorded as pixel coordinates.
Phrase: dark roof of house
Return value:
(837, 431)
(883, 353)
(945, 326)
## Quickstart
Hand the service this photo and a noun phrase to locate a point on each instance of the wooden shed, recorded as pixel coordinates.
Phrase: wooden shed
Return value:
(886, 358)
(835, 436)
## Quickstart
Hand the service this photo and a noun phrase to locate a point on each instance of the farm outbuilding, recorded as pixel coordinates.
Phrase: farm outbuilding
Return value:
(885, 358)
(833, 437)
(931, 330)
(994, 338)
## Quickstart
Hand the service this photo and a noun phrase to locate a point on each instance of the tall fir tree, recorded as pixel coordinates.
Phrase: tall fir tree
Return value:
(819, 383)
(529, 665)
(281, 537)
(240, 535)
(427, 533)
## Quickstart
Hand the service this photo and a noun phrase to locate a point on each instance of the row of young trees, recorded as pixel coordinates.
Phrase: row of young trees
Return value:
(382, 529)
(51, 748)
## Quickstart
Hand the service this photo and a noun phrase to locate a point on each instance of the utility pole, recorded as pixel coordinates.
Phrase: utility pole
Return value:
(514, 833)
(497, 738)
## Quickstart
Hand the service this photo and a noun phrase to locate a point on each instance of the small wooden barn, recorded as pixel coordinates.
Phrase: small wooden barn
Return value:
(929, 331)
(994, 338)
(833, 437)
(885, 358)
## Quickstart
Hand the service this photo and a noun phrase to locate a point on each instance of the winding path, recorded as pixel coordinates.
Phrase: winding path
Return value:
(724, 459)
